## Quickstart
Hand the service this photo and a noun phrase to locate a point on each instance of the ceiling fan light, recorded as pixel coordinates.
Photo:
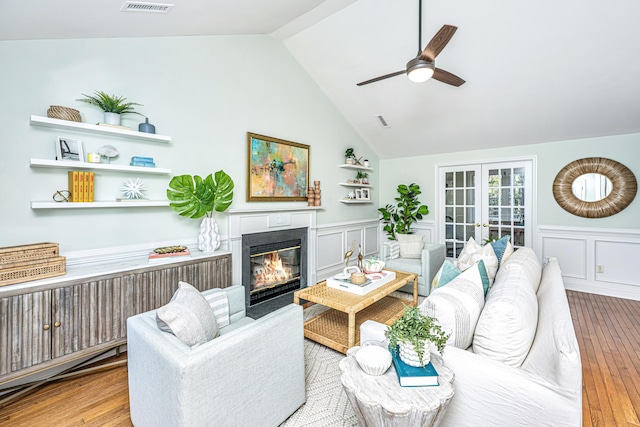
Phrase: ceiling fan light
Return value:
(419, 70)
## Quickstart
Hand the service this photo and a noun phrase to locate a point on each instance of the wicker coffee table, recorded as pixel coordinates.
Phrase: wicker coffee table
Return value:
(339, 328)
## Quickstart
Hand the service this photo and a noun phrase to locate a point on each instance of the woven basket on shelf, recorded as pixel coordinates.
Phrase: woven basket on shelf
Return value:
(64, 113)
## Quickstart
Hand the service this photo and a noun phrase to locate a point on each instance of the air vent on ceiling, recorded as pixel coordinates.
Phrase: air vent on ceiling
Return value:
(137, 6)
(382, 121)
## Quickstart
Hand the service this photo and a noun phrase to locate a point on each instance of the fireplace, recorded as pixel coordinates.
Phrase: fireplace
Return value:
(274, 263)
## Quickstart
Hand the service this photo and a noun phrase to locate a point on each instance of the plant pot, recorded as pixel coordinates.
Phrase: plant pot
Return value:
(348, 161)
(208, 238)
(112, 118)
(409, 355)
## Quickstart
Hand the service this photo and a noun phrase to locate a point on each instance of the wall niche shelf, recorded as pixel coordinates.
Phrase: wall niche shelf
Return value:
(48, 122)
(109, 204)
(63, 164)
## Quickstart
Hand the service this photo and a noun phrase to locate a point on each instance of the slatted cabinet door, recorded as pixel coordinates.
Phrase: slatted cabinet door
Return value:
(90, 314)
(25, 331)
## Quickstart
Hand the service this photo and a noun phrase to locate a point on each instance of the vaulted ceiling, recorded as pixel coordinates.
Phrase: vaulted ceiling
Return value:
(535, 71)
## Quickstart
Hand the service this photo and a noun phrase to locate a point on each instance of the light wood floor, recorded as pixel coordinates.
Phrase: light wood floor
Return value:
(608, 331)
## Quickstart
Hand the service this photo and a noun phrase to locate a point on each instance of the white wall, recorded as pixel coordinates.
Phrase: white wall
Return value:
(205, 92)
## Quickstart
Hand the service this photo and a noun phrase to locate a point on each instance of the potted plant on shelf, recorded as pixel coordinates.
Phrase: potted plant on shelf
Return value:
(194, 197)
(398, 219)
(349, 157)
(362, 177)
(411, 334)
(112, 106)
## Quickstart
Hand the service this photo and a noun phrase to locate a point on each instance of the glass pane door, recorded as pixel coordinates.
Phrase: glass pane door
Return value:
(461, 203)
(507, 206)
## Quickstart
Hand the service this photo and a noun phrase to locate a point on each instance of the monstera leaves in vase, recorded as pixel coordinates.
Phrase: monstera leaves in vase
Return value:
(194, 197)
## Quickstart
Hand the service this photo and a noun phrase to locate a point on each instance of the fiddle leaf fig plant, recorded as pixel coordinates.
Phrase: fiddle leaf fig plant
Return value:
(399, 218)
(194, 197)
(110, 103)
(417, 328)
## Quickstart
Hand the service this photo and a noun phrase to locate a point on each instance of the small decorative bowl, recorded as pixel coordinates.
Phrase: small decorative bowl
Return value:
(358, 278)
(373, 360)
(372, 265)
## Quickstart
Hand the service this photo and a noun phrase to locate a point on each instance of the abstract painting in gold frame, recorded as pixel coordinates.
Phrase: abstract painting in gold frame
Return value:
(278, 170)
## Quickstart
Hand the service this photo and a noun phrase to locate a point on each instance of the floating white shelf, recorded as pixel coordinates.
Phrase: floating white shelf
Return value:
(355, 167)
(351, 184)
(65, 164)
(90, 205)
(352, 201)
(48, 122)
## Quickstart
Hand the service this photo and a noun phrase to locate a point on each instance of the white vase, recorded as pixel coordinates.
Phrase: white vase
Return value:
(409, 355)
(112, 118)
(208, 238)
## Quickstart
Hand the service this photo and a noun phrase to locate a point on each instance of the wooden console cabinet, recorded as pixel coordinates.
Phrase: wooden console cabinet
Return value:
(51, 322)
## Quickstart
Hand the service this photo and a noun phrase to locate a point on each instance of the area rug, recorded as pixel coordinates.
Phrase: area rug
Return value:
(327, 404)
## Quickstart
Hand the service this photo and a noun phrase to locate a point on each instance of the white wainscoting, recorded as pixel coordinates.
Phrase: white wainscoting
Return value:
(599, 261)
(334, 240)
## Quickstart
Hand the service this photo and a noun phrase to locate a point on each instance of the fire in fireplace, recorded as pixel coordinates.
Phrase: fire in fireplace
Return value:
(274, 263)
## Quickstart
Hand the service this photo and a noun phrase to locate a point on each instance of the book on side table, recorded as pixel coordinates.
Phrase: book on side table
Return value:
(411, 376)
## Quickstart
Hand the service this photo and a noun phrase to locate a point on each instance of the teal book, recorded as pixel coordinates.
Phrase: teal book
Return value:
(411, 376)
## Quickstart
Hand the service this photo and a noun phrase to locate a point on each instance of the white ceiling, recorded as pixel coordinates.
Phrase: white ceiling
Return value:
(536, 71)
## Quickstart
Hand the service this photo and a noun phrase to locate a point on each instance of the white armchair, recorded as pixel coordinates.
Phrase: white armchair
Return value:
(251, 375)
(426, 267)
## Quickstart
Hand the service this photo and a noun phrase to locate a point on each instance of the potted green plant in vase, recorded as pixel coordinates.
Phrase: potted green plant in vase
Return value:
(413, 335)
(349, 157)
(112, 106)
(194, 197)
(399, 218)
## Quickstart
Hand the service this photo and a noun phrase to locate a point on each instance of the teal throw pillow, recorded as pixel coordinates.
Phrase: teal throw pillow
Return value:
(500, 246)
(484, 276)
(447, 273)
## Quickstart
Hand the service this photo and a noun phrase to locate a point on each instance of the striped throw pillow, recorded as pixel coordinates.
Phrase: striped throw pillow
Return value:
(219, 303)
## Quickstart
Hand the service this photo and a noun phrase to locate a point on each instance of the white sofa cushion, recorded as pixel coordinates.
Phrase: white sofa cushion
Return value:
(474, 252)
(188, 316)
(458, 304)
(525, 259)
(507, 325)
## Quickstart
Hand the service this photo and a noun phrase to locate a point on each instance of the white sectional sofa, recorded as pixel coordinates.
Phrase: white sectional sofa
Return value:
(523, 368)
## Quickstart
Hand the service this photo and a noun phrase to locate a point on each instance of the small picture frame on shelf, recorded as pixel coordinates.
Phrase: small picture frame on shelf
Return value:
(68, 149)
(362, 194)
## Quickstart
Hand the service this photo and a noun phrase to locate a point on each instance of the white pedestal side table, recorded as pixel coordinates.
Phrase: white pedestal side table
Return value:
(380, 400)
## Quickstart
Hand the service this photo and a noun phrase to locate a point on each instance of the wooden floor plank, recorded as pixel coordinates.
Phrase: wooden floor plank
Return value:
(607, 329)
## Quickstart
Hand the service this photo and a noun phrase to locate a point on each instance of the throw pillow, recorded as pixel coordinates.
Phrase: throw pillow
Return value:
(474, 252)
(410, 245)
(507, 325)
(501, 248)
(457, 305)
(188, 316)
(394, 249)
(447, 273)
(219, 303)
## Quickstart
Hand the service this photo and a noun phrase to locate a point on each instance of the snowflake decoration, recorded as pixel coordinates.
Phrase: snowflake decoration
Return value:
(133, 188)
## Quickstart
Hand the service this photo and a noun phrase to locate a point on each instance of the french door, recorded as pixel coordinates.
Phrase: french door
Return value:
(485, 201)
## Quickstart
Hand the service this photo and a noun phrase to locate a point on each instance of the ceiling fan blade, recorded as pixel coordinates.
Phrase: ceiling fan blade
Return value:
(438, 42)
(446, 77)
(386, 76)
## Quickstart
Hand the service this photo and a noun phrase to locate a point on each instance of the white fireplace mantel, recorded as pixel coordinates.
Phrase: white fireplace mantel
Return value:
(271, 219)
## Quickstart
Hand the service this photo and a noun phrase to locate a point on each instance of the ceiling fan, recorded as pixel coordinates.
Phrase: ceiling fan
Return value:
(422, 67)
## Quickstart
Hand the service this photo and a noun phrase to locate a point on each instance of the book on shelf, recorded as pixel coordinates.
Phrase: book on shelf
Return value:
(80, 187)
(412, 376)
(85, 177)
(142, 159)
(113, 126)
(91, 186)
(73, 185)
(143, 164)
